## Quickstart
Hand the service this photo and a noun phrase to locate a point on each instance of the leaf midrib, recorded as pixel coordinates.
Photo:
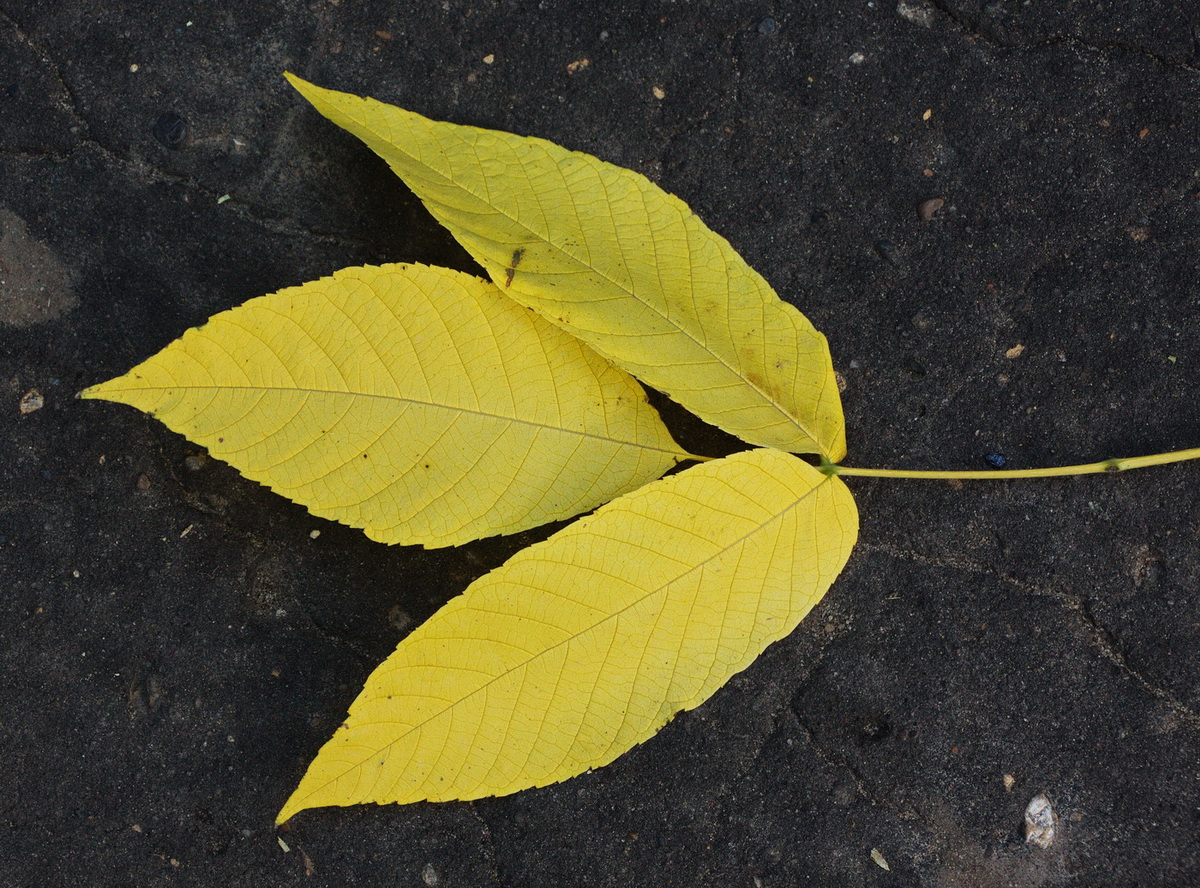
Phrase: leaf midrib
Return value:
(416, 401)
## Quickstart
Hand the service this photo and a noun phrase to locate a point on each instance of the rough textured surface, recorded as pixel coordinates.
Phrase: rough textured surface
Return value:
(175, 646)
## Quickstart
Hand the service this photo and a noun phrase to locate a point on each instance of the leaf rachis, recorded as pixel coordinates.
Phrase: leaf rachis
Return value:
(1096, 468)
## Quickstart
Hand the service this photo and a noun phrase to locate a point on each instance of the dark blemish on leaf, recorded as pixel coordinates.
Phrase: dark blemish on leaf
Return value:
(512, 266)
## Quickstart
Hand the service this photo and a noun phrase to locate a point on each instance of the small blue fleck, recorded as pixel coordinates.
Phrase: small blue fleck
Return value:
(767, 27)
(995, 460)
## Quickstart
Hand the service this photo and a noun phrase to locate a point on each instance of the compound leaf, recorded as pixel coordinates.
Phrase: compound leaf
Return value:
(580, 647)
(631, 270)
(417, 403)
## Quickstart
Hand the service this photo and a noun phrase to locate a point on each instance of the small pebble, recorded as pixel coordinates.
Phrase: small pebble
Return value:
(171, 131)
(195, 461)
(31, 401)
(767, 27)
(929, 208)
(659, 92)
(1015, 352)
(995, 460)
(888, 252)
(143, 481)
(489, 58)
(1040, 822)
(429, 875)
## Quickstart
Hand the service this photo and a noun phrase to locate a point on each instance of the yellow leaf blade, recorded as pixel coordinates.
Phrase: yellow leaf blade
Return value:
(416, 403)
(631, 270)
(581, 647)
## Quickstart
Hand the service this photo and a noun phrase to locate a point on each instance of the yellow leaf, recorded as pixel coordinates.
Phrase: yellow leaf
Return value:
(585, 645)
(631, 270)
(416, 403)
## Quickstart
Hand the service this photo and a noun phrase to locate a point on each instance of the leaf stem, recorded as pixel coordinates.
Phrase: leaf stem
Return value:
(1108, 465)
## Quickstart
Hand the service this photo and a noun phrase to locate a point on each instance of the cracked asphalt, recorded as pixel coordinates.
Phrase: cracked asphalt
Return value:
(176, 642)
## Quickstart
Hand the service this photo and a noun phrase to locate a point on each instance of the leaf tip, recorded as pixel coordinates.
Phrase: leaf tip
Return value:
(97, 392)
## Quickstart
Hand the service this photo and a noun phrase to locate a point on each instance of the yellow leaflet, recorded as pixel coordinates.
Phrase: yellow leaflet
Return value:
(587, 644)
(610, 257)
(416, 403)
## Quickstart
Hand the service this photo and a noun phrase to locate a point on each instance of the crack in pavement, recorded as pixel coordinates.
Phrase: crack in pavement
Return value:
(1102, 639)
(972, 31)
(148, 172)
(71, 102)
(489, 843)
(139, 166)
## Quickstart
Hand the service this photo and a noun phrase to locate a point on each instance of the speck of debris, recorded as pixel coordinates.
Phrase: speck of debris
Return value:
(577, 65)
(915, 11)
(1040, 822)
(195, 461)
(489, 58)
(384, 35)
(1009, 782)
(282, 844)
(1015, 352)
(857, 58)
(659, 92)
(429, 875)
(929, 208)
(313, 534)
(1139, 233)
(841, 380)
(32, 400)
(222, 198)
(928, 114)
(143, 481)
(995, 460)
(767, 26)
(880, 860)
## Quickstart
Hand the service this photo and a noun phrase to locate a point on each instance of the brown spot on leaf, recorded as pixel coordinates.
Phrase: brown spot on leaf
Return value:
(512, 266)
